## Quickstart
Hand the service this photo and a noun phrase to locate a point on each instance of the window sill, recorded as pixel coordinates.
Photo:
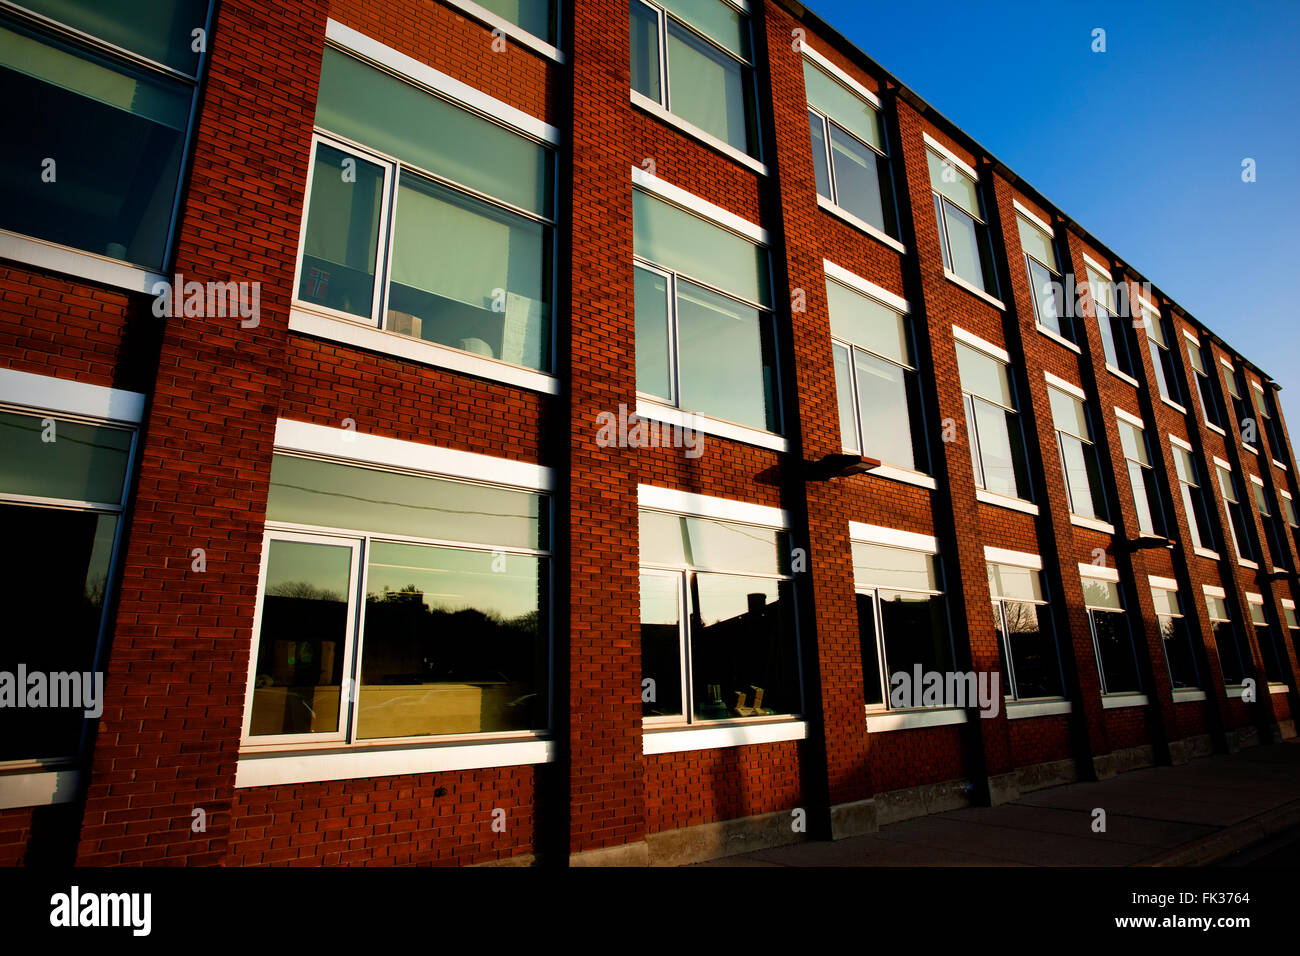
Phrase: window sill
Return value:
(1215, 428)
(1247, 563)
(735, 734)
(1277, 688)
(1079, 521)
(884, 721)
(77, 264)
(417, 350)
(861, 225)
(1278, 464)
(1206, 553)
(709, 426)
(1174, 405)
(1251, 448)
(520, 36)
(902, 474)
(1123, 376)
(38, 789)
(644, 102)
(1120, 701)
(1020, 709)
(278, 768)
(1058, 338)
(1004, 501)
(1232, 691)
(973, 290)
(1188, 695)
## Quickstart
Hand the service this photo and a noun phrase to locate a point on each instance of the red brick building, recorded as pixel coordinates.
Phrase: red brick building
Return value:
(465, 432)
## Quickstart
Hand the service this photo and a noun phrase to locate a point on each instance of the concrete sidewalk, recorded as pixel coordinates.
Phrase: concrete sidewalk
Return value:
(1191, 815)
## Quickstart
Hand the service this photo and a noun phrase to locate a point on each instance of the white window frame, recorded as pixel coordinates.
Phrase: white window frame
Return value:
(1197, 376)
(1152, 506)
(1223, 466)
(972, 429)
(1098, 522)
(1054, 269)
(514, 31)
(1170, 586)
(984, 247)
(1110, 576)
(1032, 562)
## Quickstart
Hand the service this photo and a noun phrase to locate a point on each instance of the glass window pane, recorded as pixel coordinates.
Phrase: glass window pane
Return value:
(1194, 354)
(535, 16)
(1166, 601)
(342, 241)
(372, 107)
(1074, 460)
(334, 495)
(1008, 581)
(1217, 609)
(708, 88)
(1226, 484)
(1033, 651)
(1141, 499)
(997, 454)
(1231, 659)
(1101, 594)
(1133, 441)
(1068, 414)
(1192, 510)
(1048, 297)
(844, 398)
(817, 130)
(645, 51)
(1288, 510)
(842, 105)
(876, 565)
(949, 181)
(1158, 363)
(857, 179)
(302, 644)
(1184, 465)
(54, 566)
(1115, 650)
(872, 687)
(160, 31)
(720, 22)
(64, 459)
(1101, 290)
(868, 323)
(661, 645)
(740, 389)
(984, 375)
(455, 642)
(963, 246)
(685, 540)
(677, 240)
(1179, 654)
(882, 408)
(1036, 242)
(1288, 613)
(470, 275)
(743, 647)
(916, 632)
(1257, 613)
(653, 374)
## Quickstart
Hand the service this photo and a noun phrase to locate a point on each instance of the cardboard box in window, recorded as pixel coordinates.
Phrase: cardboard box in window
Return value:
(412, 710)
(404, 323)
(295, 710)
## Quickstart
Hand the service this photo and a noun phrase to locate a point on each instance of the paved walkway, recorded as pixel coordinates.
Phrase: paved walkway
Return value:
(1195, 814)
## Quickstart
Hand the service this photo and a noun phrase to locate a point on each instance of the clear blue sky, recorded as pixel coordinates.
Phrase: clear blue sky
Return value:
(1143, 144)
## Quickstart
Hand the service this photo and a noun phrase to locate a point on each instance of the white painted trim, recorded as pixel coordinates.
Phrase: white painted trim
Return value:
(1277, 688)
(1192, 337)
(892, 537)
(418, 350)
(1253, 598)
(894, 473)
(1278, 464)
(1215, 428)
(709, 426)
(1256, 480)
(730, 735)
(701, 207)
(912, 719)
(949, 155)
(840, 75)
(1174, 405)
(1287, 602)
(47, 393)
(1117, 701)
(1032, 216)
(861, 225)
(266, 770)
(1255, 385)
(706, 506)
(1234, 690)
(38, 789)
(1182, 443)
(1145, 303)
(1213, 590)
(1098, 266)
(411, 69)
(859, 284)
(1185, 695)
(1283, 492)
(367, 449)
(76, 263)
(1005, 501)
(1164, 584)
(1017, 559)
(511, 30)
(1205, 553)
(1097, 573)
(644, 102)
(1221, 463)
(1134, 420)
(1079, 521)
(1123, 376)
(1226, 364)
(1065, 386)
(1058, 339)
(973, 340)
(974, 290)
(1020, 709)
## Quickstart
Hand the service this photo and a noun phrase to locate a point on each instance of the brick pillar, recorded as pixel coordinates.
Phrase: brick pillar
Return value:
(178, 665)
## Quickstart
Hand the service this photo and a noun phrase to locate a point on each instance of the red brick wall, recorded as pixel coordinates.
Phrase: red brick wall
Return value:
(705, 786)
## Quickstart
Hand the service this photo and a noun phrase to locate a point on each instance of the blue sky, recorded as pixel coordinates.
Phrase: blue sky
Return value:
(1143, 144)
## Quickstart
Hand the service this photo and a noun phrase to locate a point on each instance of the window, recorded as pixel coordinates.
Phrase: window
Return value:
(996, 441)
(692, 57)
(397, 605)
(1180, 655)
(1232, 657)
(1163, 359)
(1079, 462)
(849, 154)
(1231, 493)
(1275, 537)
(1112, 641)
(1044, 278)
(1031, 663)
(1240, 407)
(718, 635)
(107, 77)
(63, 485)
(902, 616)
(1292, 622)
(1210, 408)
(1116, 331)
(1270, 647)
(702, 292)
(964, 237)
(538, 17)
(1199, 520)
(876, 380)
(442, 229)
(1142, 478)
(1276, 445)
(1287, 507)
